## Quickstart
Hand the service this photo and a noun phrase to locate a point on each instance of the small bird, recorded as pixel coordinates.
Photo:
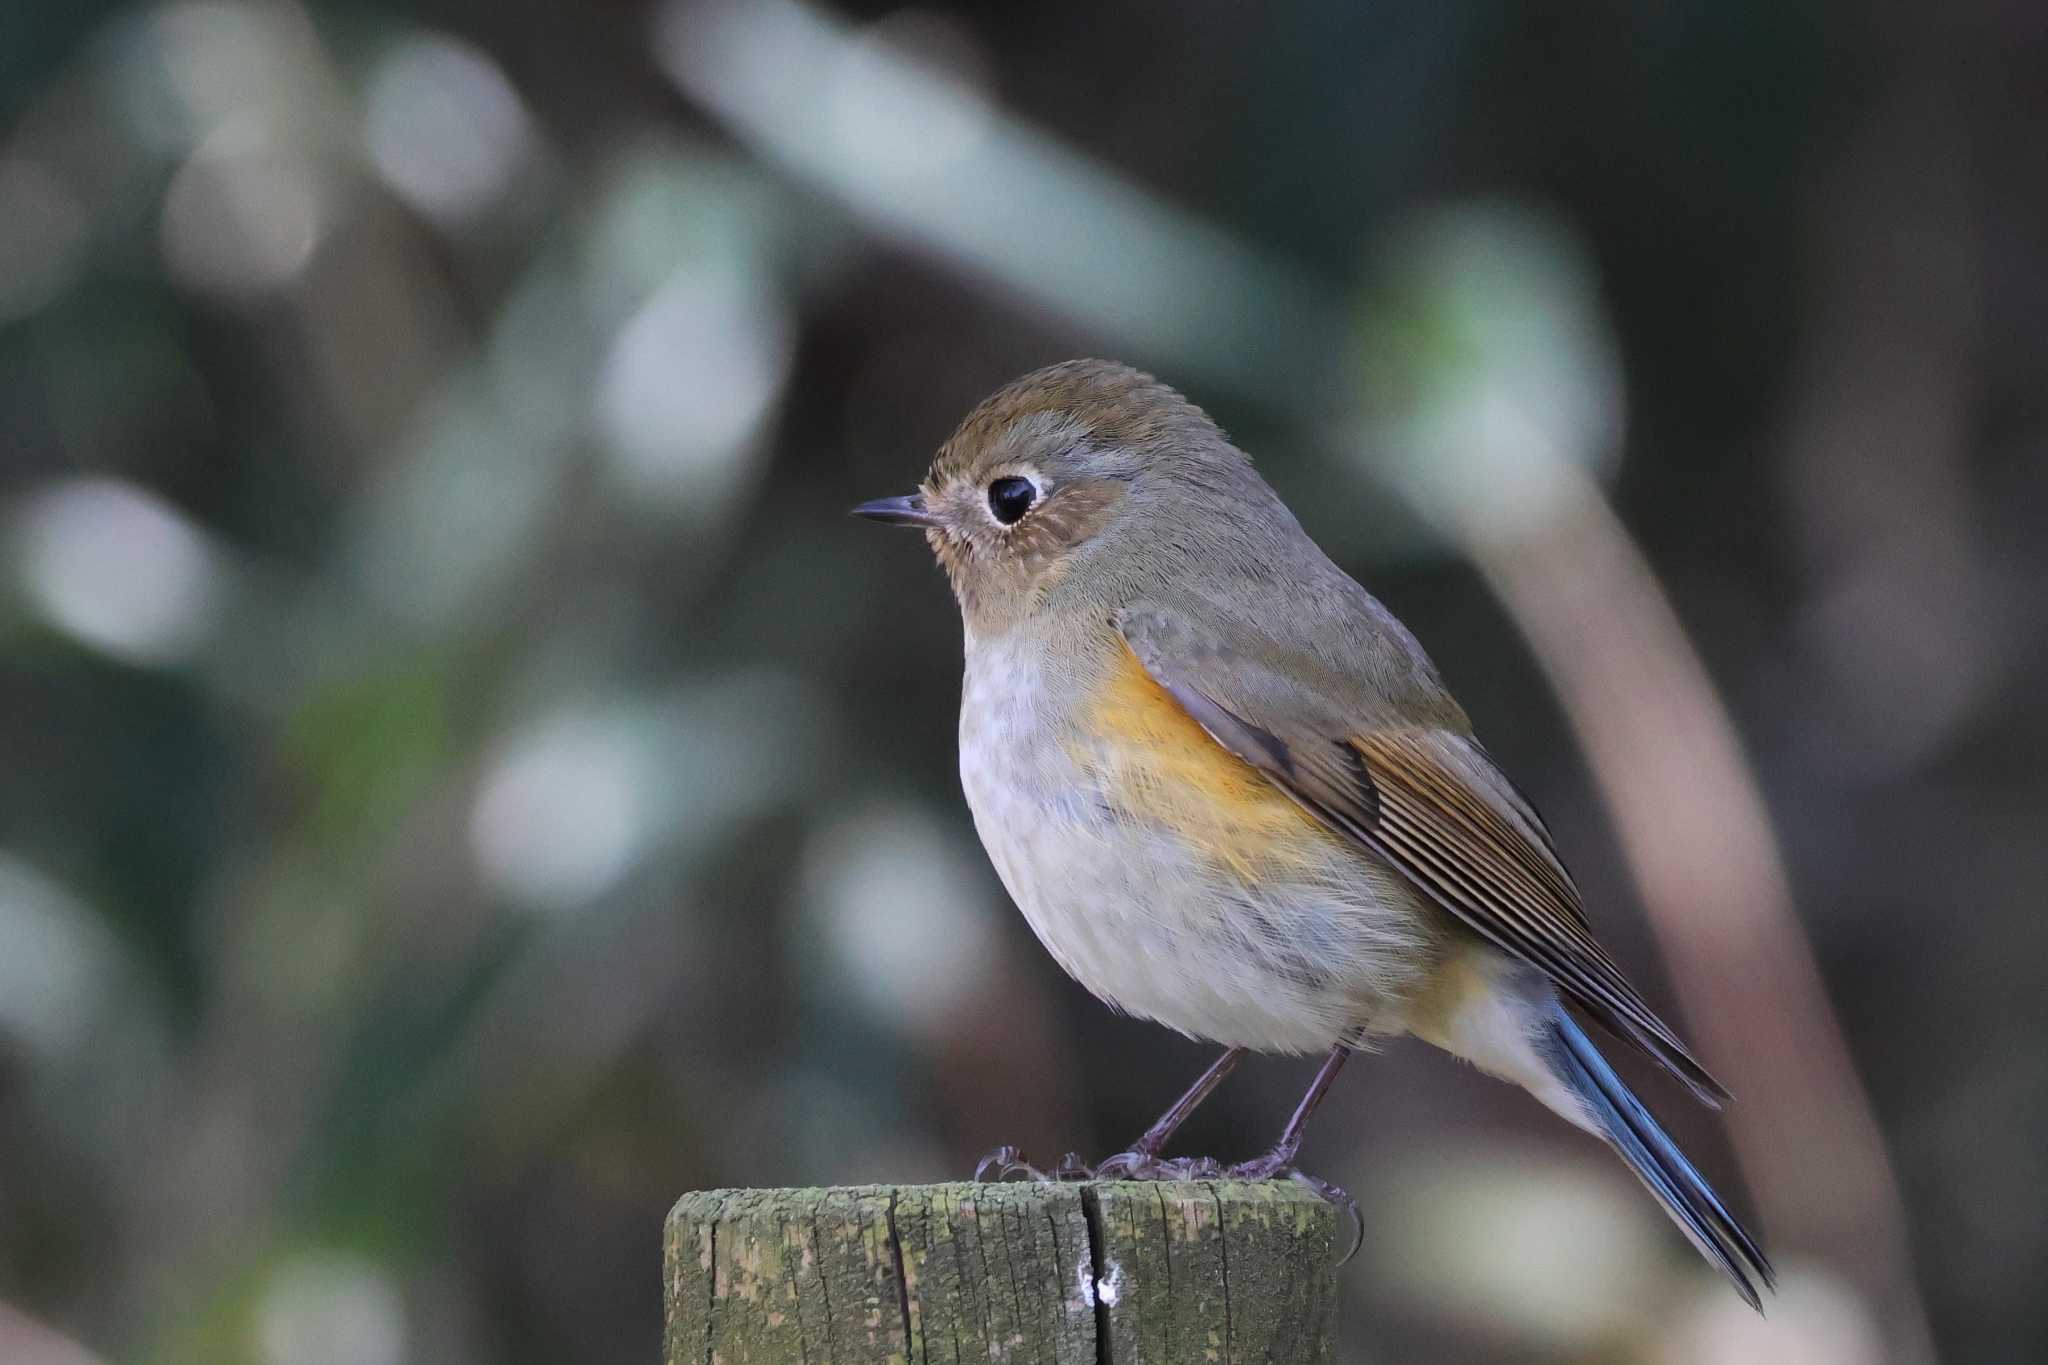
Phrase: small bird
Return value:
(1230, 793)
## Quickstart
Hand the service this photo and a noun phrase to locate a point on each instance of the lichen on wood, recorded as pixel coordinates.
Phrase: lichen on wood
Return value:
(1133, 1273)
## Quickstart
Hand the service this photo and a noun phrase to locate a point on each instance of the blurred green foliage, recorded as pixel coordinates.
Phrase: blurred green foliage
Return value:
(465, 782)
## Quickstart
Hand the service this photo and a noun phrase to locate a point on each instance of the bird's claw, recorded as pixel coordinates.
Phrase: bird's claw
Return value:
(1280, 1162)
(1006, 1161)
(1274, 1164)
(1341, 1197)
(1071, 1167)
(1131, 1165)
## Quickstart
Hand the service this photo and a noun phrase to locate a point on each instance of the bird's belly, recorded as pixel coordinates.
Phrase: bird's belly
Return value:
(1174, 882)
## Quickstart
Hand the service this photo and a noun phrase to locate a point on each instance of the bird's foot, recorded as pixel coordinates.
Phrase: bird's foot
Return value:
(1006, 1161)
(1279, 1161)
(1137, 1164)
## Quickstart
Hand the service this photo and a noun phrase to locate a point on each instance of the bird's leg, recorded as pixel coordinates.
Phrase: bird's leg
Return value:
(1281, 1158)
(1280, 1161)
(1142, 1161)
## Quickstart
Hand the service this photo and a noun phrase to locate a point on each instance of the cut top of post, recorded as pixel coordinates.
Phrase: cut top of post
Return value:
(1129, 1272)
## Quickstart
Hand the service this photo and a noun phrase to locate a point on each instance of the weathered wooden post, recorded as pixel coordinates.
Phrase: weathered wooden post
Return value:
(1064, 1274)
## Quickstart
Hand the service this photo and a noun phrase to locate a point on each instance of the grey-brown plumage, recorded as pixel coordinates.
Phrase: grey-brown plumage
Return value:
(1229, 790)
(1423, 797)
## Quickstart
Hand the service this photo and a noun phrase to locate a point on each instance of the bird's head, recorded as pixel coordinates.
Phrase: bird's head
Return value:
(1080, 480)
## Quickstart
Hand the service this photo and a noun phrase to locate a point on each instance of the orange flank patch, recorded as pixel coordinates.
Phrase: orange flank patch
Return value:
(1461, 980)
(1160, 767)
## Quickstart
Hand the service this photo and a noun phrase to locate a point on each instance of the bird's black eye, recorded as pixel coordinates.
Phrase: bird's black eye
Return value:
(1010, 498)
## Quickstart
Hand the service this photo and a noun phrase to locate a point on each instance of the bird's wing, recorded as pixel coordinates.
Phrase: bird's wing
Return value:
(1422, 798)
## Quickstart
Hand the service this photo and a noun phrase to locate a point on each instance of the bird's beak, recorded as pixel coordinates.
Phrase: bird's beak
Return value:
(904, 511)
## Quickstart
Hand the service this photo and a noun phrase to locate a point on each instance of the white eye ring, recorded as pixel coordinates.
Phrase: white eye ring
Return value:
(1010, 496)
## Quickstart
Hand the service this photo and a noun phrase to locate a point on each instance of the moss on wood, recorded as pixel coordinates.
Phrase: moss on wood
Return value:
(1072, 1274)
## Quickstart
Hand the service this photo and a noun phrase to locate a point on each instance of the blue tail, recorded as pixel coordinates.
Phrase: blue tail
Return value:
(1656, 1160)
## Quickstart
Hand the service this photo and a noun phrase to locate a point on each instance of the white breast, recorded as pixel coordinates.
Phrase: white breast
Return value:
(1144, 923)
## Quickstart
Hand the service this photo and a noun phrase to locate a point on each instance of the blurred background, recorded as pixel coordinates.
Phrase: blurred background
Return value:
(464, 781)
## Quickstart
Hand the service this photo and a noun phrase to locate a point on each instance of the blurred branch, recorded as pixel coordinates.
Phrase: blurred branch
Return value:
(927, 158)
(1698, 842)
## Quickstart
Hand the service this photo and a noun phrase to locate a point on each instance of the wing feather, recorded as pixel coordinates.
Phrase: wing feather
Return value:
(1424, 799)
